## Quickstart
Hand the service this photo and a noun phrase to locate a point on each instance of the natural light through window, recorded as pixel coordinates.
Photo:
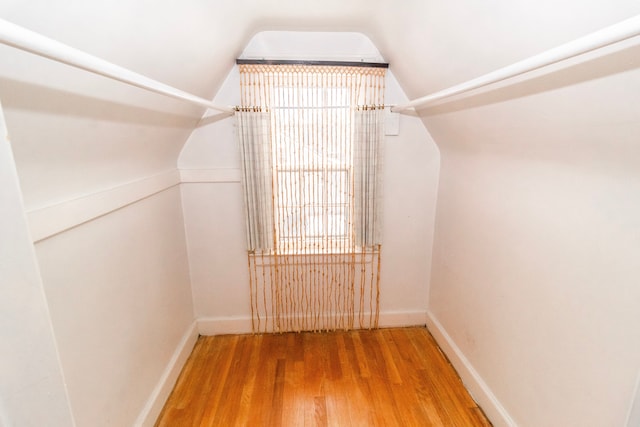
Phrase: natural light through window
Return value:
(313, 158)
(310, 139)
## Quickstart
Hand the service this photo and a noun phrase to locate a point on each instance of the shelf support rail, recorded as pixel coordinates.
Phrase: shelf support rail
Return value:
(21, 38)
(607, 36)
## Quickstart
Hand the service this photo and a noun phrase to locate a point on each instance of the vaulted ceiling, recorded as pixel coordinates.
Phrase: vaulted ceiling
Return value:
(74, 132)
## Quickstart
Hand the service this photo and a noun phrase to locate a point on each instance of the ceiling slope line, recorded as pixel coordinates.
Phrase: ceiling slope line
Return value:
(607, 36)
(21, 38)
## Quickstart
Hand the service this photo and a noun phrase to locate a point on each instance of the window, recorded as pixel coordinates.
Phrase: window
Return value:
(313, 167)
(310, 139)
(311, 156)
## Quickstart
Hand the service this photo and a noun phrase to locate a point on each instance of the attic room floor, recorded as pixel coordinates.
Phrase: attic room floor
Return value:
(385, 377)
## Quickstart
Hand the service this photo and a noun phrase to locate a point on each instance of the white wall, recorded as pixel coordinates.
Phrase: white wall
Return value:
(97, 166)
(93, 133)
(29, 365)
(213, 207)
(118, 290)
(534, 291)
(534, 278)
(96, 161)
(535, 275)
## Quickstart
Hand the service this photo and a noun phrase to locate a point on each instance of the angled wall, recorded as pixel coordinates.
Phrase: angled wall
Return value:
(115, 275)
(535, 276)
(213, 206)
(31, 371)
(118, 289)
(96, 163)
(534, 290)
(97, 166)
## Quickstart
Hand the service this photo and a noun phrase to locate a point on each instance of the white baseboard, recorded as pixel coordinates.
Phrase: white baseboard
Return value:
(392, 319)
(470, 377)
(242, 325)
(239, 325)
(156, 401)
(209, 326)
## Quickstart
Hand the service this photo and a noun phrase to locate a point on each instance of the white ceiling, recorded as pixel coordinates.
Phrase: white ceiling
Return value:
(73, 132)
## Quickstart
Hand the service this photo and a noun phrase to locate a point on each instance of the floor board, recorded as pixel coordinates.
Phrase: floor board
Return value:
(385, 377)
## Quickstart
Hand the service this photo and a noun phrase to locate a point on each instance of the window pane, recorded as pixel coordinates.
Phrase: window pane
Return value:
(288, 204)
(338, 187)
(337, 221)
(314, 224)
(314, 187)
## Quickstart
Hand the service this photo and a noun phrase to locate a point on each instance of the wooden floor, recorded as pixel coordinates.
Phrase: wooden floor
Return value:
(386, 377)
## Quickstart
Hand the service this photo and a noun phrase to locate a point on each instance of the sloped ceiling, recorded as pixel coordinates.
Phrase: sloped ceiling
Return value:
(74, 133)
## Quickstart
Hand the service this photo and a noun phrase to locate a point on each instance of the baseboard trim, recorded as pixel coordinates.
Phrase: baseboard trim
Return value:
(474, 383)
(156, 401)
(393, 319)
(209, 326)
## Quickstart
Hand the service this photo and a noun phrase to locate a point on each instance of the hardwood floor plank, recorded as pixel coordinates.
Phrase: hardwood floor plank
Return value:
(387, 377)
(386, 344)
(277, 401)
(293, 410)
(319, 412)
(210, 415)
(350, 394)
(249, 384)
(260, 406)
(360, 354)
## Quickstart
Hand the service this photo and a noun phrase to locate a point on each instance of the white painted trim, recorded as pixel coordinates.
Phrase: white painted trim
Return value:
(48, 221)
(30, 41)
(609, 35)
(210, 175)
(480, 391)
(51, 220)
(393, 319)
(209, 326)
(160, 393)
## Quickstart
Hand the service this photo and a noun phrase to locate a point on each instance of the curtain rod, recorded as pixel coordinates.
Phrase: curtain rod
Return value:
(240, 61)
(609, 35)
(30, 41)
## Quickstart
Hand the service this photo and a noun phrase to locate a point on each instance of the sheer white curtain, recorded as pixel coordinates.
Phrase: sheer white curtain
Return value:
(368, 135)
(255, 152)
